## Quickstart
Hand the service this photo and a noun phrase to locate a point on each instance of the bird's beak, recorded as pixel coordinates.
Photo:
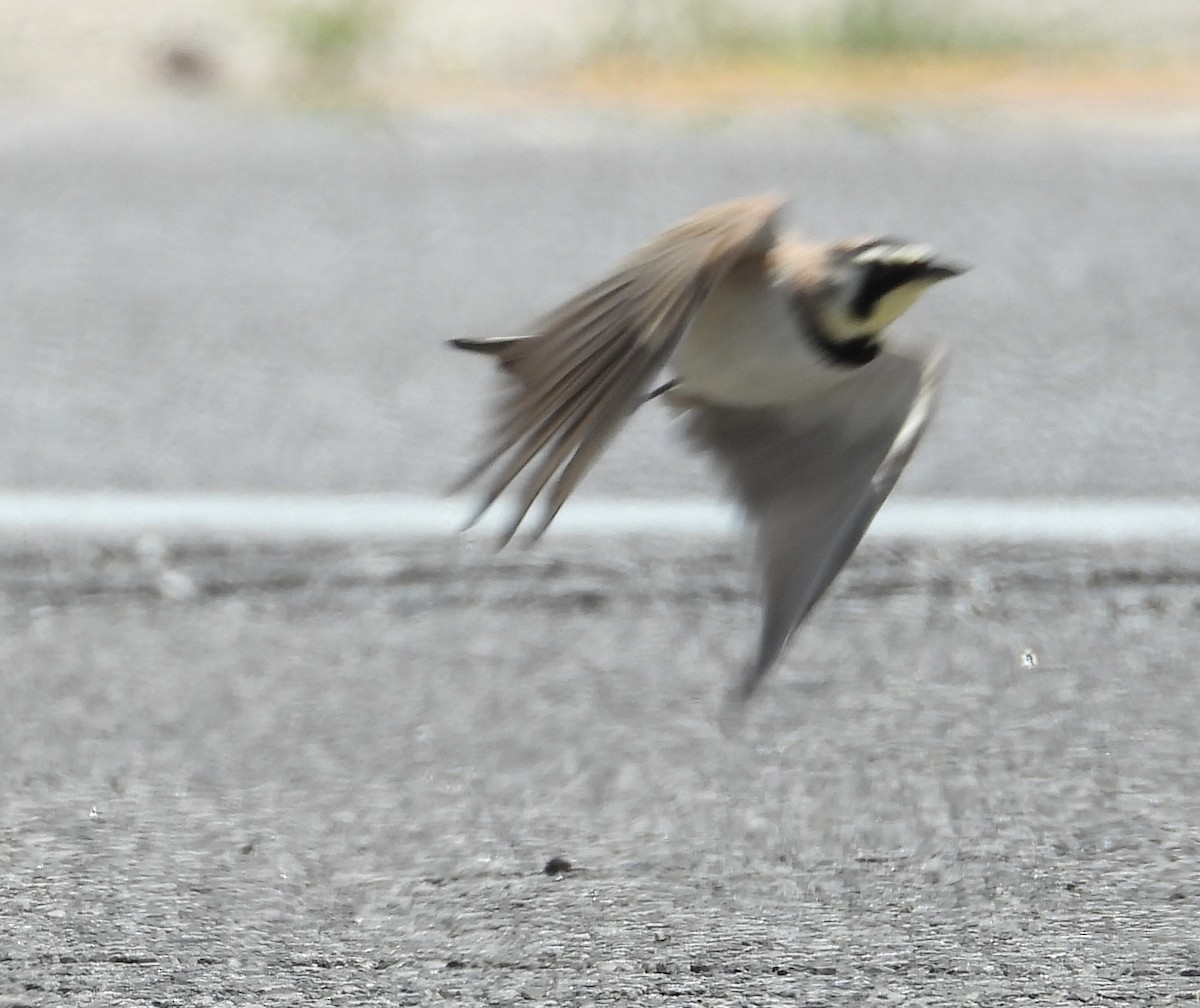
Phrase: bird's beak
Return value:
(940, 269)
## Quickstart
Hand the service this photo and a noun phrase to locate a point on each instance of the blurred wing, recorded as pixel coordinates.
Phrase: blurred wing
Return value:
(812, 482)
(588, 364)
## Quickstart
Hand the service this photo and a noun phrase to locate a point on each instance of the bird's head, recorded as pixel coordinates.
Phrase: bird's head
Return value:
(872, 283)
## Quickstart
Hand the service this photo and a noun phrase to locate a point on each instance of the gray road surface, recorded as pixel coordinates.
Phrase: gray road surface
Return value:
(333, 776)
(202, 299)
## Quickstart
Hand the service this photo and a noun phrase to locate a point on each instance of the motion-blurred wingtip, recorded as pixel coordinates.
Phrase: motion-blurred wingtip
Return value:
(732, 716)
(737, 698)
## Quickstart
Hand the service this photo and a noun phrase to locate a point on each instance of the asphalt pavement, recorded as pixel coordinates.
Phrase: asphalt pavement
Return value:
(337, 775)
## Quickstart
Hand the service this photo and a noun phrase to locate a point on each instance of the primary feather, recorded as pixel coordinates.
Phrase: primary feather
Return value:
(587, 365)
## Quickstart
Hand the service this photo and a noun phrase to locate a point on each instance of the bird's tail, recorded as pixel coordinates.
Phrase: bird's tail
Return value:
(505, 348)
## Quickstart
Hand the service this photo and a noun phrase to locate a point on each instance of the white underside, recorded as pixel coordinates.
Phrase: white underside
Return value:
(743, 349)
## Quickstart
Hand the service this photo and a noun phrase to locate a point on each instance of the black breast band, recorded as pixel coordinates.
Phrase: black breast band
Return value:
(853, 352)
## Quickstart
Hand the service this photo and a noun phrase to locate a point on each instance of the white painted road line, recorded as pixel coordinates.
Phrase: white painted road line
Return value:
(399, 516)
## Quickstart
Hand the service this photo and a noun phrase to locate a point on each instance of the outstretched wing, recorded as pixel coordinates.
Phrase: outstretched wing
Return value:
(812, 482)
(588, 364)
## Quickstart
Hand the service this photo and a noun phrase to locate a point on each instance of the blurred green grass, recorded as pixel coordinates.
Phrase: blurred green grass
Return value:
(716, 29)
(329, 45)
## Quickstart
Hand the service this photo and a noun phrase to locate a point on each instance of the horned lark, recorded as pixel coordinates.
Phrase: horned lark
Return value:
(774, 352)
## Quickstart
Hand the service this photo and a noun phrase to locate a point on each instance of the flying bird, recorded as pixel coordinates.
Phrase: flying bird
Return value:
(775, 353)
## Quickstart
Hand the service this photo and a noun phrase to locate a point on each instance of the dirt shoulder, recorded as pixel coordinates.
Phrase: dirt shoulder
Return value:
(644, 57)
